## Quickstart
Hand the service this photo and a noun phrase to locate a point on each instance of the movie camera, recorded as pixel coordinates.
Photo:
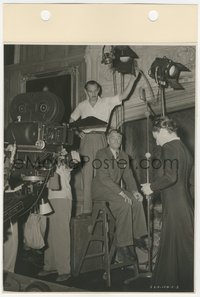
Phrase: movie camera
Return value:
(39, 136)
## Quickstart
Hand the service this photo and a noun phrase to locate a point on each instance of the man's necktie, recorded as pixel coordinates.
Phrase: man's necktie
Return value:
(117, 156)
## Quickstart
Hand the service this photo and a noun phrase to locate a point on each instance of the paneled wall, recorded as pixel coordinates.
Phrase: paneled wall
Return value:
(136, 140)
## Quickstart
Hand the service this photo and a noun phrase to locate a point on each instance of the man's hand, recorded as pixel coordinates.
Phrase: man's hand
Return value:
(146, 189)
(63, 152)
(61, 157)
(75, 157)
(80, 134)
(11, 148)
(138, 196)
(126, 198)
(69, 163)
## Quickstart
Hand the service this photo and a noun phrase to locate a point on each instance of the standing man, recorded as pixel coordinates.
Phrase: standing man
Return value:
(57, 255)
(113, 166)
(94, 139)
(10, 245)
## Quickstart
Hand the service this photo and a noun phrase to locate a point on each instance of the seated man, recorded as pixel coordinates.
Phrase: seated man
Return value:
(112, 166)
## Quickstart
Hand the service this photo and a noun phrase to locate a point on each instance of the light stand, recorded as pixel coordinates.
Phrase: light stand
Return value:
(166, 74)
(120, 58)
(148, 197)
(147, 274)
(163, 104)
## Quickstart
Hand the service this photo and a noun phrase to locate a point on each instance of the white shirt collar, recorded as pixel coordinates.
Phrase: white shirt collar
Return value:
(95, 103)
(114, 152)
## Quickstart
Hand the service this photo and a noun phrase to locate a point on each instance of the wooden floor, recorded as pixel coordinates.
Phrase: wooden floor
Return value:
(30, 263)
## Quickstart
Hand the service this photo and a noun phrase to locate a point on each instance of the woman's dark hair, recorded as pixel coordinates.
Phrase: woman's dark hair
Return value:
(93, 82)
(164, 123)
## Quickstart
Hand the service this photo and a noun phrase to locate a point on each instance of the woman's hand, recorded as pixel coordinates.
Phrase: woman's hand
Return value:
(146, 189)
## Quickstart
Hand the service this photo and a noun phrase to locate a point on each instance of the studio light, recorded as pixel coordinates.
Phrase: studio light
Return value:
(124, 59)
(120, 57)
(166, 73)
(124, 53)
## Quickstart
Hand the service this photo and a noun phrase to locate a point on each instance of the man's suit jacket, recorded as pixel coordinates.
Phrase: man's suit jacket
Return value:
(109, 173)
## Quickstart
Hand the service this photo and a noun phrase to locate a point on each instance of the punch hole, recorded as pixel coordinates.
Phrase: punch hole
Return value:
(45, 15)
(153, 15)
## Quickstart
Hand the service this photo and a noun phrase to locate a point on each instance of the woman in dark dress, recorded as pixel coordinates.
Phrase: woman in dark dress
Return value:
(174, 265)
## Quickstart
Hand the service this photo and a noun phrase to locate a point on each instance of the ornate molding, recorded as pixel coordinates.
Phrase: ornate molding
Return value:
(175, 100)
(92, 55)
(73, 71)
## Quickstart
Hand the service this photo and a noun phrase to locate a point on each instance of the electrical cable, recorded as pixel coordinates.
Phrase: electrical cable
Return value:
(122, 104)
(152, 96)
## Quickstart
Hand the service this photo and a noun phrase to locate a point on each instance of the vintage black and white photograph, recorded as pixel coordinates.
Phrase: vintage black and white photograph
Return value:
(99, 146)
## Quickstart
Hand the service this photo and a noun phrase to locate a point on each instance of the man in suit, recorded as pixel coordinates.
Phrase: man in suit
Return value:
(112, 166)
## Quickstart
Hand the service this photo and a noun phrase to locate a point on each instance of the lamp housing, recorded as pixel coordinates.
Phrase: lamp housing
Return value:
(124, 59)
(167, 73)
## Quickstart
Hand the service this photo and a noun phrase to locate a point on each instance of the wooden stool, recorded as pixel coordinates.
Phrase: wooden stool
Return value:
(102, 215)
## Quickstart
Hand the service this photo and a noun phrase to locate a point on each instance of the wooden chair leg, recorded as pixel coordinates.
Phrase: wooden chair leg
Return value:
(86, 246)
(100, 214)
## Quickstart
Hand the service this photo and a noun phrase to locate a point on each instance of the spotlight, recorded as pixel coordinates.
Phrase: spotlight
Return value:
(120, 57)
(166, 72)
(124, 53)
(123, 60)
